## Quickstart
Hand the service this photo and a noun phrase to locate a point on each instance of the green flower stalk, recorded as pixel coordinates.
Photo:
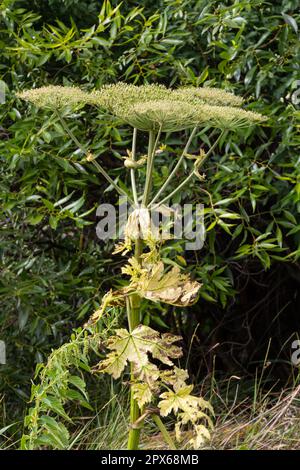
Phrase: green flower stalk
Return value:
(153, 109)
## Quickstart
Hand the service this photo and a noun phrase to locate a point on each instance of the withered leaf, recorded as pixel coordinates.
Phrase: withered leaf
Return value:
(172, 287)
(134, 347)
(175, 377)
(189, 411)
(164, 349)
(142, 393)
(110, 299)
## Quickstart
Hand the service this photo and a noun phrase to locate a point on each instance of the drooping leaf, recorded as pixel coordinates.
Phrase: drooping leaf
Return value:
(189, 410)
(172, 287)
(126, 346)
(174, 401)
(134, 347)
(142, 393)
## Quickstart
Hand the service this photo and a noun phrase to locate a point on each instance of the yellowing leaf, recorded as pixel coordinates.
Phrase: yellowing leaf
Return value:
(126, 347)
(134, 270)
(191, 413)
(202, 434)
(123, 248)
(166, 349)
(173, 287)
(148, 373)
(175, 377)
(173, 401)
(113, 365)
(142, 393)
(134, 347)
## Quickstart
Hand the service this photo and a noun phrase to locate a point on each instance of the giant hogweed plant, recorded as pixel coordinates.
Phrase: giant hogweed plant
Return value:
(158, 387)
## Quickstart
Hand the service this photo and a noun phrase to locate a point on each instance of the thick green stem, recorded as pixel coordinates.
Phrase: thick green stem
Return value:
(134, 303)
(133, 314)
(164, 432)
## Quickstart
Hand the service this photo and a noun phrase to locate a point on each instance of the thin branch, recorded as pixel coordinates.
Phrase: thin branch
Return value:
(150, 162)
(132, 171)
(189, 177)
(212, 148)
(173, 172)
(86, 153)
(178, 188)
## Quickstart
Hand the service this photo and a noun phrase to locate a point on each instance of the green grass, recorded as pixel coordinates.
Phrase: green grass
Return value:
(265, 420)
(250, 415)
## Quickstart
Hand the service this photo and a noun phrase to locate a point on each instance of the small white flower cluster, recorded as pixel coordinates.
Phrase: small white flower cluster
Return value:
(153, 107)
(55, 97)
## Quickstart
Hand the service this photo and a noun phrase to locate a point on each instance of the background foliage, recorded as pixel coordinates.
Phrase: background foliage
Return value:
(54, 270)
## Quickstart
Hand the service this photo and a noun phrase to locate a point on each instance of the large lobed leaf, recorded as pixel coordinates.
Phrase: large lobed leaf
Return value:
(134, 347)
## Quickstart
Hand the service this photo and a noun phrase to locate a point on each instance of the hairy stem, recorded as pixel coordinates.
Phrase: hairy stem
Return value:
(133, 315)
(164, 432)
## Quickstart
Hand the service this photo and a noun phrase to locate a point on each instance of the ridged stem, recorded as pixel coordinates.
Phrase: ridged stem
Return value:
(133, 315)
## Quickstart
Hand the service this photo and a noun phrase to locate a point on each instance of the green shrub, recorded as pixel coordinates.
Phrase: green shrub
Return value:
(251, 194)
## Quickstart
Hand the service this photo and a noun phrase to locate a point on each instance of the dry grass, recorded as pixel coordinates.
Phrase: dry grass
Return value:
(247, 418)
(274, 424)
